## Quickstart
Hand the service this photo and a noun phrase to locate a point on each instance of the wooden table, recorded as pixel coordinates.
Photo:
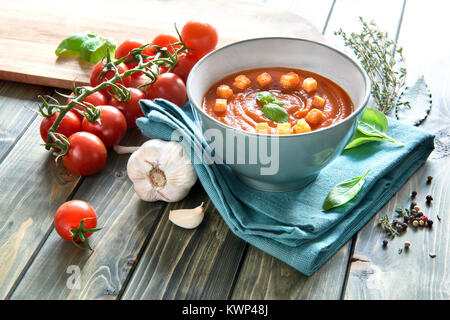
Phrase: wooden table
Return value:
(141, 255)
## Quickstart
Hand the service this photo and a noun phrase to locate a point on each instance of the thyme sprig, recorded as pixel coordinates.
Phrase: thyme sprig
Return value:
(383, 60)
(388, 226)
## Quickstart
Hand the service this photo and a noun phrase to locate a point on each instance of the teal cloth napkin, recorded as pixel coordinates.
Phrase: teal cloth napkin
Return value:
(291, 226)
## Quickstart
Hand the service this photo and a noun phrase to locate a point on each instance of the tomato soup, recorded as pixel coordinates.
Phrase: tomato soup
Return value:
(277, 101)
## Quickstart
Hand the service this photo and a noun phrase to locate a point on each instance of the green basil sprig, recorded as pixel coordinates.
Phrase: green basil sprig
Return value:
(344, 191)
(90, 46)
(372, 127)
(272, 108)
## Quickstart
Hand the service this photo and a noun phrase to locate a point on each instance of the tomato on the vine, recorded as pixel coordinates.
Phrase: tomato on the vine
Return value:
(86, 155)
(199, 37)
(96, 99)
(165, 40)
(124, 49)
(68, 126)
(112, 126)
(186, 62)
(75, 221)
(98, 68)
(168, 86)
(131, 108)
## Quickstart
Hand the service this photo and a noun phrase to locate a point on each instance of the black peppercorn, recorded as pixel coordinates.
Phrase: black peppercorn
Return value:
(413, 194)
(429, 178)
(406, 219)
(413, 204)
(429, 199)
(385, 243)
(429, 223)
(418, 215)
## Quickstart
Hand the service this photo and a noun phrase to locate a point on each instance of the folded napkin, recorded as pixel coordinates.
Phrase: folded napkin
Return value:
(291, 226)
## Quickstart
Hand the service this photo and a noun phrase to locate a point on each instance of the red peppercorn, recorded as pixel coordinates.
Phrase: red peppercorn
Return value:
(424, 218)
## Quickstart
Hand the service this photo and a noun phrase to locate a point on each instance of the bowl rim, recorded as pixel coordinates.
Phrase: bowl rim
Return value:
(354, 114)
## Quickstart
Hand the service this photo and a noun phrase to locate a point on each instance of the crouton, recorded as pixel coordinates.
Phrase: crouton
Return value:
(302, 126)
(220, 106)
(284, 128)
(264, 79)
(241, 82)
(318, 102)
(315, 116)
(224, 92)
(263, 127)
(309, 85)
(289, 81)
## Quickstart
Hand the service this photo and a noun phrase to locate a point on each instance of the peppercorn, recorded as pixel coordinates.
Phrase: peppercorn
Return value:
(415, 223)
(407, 244)
(421, 223)
(413, 194)
(412, 205)
(385, 243)
(406, 219)
(418, 215)
(411, 219)
(416, 208)
(429, 178)
(429, 199)
(424, 218)
(429, 223)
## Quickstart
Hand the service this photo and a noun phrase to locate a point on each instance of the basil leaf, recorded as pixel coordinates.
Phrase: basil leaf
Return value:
(275, 113)
(265, 97)
(344, 192)
(372, 127)
(90, 46)
(94, 49)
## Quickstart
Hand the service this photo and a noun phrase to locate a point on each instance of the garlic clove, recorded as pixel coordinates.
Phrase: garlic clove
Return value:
(124, 149)
(187, 218)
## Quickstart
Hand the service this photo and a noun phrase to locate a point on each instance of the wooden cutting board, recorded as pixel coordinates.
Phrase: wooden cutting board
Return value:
(31, 30)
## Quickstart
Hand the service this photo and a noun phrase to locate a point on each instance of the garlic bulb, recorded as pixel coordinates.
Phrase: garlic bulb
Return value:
(161, 170)
(187, 218)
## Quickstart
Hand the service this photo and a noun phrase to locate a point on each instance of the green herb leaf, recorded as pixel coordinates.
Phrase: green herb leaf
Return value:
(265, 97)
(90, 46)
(372, 127)
(275, 113)
(344, 192)
(418, 103)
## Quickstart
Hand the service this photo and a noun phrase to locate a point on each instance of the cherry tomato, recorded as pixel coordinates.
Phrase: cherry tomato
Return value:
(68, 126)
(86, 155)
(184, 65)
(68, 220)
(164, 40)
(168, 86)
(112, 126)
(131, 108)
(124, 49)
(96, 99)
(199, 37)
(108, 75)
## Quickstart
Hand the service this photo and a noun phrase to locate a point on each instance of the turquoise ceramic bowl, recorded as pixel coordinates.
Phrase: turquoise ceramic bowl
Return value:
(270, 162)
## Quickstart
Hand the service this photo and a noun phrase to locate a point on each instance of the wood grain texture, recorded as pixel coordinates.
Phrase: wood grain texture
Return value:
(413, 274)
(188, 264)
(53, 20)
(127, 223)
(32, 187)
(262, 276)
(14, 117)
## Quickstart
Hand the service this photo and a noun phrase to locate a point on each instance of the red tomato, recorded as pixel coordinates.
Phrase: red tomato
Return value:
(168, 86)
(108, 75)
(131, 108)
(112, 126)
(125, 49)
(96, 99)
(199, 37)
(86, 155)
(163, 40)
(68, 218)
(186, 62)
(68, 126)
